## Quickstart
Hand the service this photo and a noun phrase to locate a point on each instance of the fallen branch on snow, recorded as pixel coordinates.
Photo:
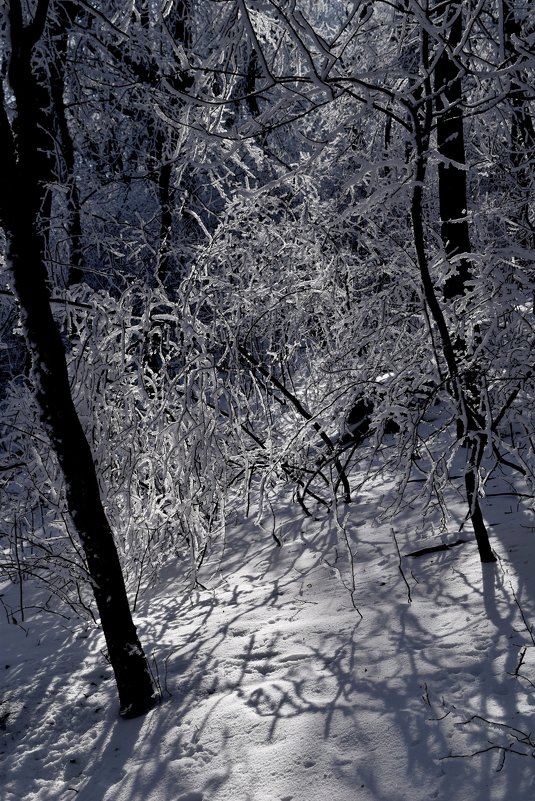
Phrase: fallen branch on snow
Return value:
(445, 546)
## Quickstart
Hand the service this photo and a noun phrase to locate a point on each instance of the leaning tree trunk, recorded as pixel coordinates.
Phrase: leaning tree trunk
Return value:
(51, 382)
(22, 194)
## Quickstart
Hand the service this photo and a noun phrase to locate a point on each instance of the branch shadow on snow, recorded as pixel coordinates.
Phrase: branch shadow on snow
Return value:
(257, 670)
(271, 678)
(56, 689)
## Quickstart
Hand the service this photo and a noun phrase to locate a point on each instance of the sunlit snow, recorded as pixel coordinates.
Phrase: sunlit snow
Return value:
(276, 689)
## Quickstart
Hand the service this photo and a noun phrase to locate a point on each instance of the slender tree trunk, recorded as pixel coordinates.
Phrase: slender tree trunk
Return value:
(57, 120)
(450, 145)
(522, 127)
(166, 273)
(455, 235)
(22, 200)
(178, 26)
(471, 482)
(475, 443)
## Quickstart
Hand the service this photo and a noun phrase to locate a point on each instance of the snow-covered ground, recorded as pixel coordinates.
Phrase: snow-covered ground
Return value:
(275, 688)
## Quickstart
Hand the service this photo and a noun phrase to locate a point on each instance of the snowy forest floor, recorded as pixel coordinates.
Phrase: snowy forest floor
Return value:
(274, 686)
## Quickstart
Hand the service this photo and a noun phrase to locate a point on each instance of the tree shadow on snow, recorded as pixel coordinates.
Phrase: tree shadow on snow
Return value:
(271, 678)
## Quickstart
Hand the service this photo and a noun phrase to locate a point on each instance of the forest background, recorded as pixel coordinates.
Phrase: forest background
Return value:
(240, 239)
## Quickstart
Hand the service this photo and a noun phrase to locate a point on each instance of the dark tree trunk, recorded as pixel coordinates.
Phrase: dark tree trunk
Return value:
(474, 508)
(167, 264)
(522, 127)
(23, 198)
(51, 381)
(59, 32)
(455, 235)
(43, 84)
(178, 26)
(456, 388)
(450, 145)
(250, 84)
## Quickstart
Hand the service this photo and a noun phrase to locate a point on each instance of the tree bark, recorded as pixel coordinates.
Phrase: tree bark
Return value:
(59, 33)
(452, 189)
(23, 198)
(522, 127)
(475, 442)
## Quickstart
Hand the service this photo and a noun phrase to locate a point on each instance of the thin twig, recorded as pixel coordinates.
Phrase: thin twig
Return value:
(521, 660)
(409, 597)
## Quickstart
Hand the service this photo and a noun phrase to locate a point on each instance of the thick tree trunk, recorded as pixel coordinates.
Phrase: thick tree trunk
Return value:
(42, 107)
(23, 199)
